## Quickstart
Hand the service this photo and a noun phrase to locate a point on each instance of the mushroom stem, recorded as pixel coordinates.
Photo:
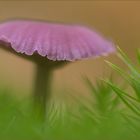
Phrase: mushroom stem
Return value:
(42, 89)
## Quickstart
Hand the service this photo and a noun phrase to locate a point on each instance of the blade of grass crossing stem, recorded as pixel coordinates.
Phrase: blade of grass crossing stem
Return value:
(138, 55)
(119, 70)
(119, 93)
(127, 61)
(133, 81)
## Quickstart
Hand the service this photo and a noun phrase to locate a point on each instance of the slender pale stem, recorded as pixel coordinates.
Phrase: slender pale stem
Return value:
(42, 89)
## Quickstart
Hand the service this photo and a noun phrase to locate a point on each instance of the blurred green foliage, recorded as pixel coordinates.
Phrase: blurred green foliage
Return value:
(110, 112)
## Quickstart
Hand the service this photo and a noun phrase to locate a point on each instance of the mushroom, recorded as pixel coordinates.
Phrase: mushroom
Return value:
(50, 46)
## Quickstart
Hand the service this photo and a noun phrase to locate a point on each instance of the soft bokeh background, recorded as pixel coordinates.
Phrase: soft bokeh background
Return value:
(118, 20)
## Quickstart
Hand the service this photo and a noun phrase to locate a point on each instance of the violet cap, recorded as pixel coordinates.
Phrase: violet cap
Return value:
(53, 41)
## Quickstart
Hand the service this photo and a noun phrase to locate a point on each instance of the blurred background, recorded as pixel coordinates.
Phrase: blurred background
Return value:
(116, 20)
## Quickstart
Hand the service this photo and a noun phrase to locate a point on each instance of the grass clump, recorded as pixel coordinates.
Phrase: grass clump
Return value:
(111, 112)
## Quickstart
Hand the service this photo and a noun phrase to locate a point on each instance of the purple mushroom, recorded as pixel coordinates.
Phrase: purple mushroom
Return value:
(49, 46)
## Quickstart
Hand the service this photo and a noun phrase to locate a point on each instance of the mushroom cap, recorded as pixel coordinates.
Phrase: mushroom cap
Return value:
(53, 41)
